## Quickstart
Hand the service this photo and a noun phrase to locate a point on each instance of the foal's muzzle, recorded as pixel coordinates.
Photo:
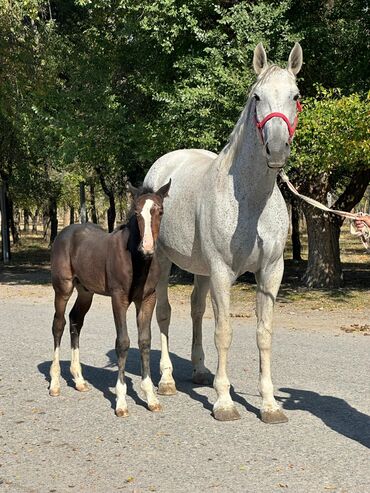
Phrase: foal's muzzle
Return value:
(147, 252)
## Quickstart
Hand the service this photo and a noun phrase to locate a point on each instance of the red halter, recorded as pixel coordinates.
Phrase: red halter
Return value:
(291, 128)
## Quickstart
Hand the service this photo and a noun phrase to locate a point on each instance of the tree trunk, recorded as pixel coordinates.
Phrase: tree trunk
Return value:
(14, 221)
(53, 214)
(94, 216)
(35, 219)
(6, 255)
(83, 208)
(65, 216)
(45, 222)
(111, 213)
(296, 242)
(26, 221)
(323, 267)
(71, 215)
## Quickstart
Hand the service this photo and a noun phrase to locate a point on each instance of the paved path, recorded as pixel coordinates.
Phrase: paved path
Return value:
(75, 442)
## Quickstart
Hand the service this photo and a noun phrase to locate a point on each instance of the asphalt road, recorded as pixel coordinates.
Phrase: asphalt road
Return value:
(75, 442)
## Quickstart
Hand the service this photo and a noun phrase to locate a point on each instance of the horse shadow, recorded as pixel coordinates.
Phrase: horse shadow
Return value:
(334, 412)
(103, 379)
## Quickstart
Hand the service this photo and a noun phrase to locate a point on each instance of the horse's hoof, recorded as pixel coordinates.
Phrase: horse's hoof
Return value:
(166, 388)
(82, 387)
(55, 392)
(273, 417)
(155, 408)
(226, 414)
(121, 413)
(204, 378)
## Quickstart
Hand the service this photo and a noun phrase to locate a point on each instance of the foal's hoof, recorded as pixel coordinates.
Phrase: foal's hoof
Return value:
(226, 414)
(273, 417)
(55, 392)
(82, 387)
(166, 388)
(155, 408)
(204, 378)
(121, 413)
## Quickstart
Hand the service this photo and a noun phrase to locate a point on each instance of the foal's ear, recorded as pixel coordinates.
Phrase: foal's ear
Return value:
(131, 189)
(259, 59)
(295, 59)
(163, 191)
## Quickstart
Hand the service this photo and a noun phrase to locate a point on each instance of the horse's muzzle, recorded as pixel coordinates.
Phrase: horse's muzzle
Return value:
(275, 165)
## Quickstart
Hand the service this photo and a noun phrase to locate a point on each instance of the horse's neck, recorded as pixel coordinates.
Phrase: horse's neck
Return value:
(242, 164)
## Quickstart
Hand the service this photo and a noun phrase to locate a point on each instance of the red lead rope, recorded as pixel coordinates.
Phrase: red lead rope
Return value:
(291, 128)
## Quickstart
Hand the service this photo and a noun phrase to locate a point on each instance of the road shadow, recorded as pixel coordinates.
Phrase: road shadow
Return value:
(104, 378)
(334, 412)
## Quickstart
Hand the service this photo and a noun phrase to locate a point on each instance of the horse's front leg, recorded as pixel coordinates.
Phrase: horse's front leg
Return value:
(120, 305)
(224, 409)
(144, 312)
(201, 374)
(268, 283)
(166, 384)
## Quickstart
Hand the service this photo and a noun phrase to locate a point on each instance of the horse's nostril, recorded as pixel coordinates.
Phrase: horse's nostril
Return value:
(287, 144)
(267, 150)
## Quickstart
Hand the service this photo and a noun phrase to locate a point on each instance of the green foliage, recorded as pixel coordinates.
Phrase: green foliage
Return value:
(332, 136)
(111, 85)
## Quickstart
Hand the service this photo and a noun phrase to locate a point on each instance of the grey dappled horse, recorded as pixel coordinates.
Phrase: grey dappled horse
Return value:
(235, 220)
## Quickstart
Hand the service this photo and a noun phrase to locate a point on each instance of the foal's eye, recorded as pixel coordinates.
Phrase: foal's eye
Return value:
(296, 97)
(256, 97)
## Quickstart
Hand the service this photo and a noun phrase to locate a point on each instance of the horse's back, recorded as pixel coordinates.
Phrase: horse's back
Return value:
(181, 166)
(73, 236)
(80, 252)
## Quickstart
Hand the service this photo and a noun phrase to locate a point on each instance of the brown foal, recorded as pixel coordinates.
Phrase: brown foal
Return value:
(121, 265)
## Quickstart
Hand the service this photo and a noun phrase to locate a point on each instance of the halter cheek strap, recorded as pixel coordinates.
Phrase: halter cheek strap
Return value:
(291, 128)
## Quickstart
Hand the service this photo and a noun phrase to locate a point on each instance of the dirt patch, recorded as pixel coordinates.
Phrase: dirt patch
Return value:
(365, 329)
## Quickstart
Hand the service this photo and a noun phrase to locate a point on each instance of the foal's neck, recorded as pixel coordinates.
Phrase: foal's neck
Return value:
(134, 241)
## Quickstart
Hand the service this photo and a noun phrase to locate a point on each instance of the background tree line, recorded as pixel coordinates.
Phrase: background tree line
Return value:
(91, 93)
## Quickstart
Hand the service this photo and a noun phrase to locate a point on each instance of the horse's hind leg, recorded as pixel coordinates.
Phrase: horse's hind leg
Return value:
(201, 375)
(76, 320)
(63, 290)
(144, 312)
(120, 305)
(166, 385)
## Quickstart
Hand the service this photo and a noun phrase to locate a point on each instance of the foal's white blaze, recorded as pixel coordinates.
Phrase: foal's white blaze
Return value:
(148, 242)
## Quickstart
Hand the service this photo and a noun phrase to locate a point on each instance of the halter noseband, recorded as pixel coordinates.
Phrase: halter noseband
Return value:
(291, 128)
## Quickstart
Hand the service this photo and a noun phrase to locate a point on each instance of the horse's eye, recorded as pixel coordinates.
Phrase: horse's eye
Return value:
(296, 97)
(256, 97)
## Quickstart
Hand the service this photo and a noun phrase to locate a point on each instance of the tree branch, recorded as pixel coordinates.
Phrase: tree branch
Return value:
(354, 191)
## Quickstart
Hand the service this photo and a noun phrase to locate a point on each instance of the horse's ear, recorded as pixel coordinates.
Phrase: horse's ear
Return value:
(131, 189)
(259, 59)
(295, 59)
(163, 191)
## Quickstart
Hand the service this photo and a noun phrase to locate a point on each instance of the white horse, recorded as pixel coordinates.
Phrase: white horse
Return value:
(225, 215)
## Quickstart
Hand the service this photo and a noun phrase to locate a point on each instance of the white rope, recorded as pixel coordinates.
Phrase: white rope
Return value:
(364, 233)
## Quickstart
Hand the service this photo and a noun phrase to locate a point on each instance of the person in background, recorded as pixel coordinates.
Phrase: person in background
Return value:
(361, 221)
